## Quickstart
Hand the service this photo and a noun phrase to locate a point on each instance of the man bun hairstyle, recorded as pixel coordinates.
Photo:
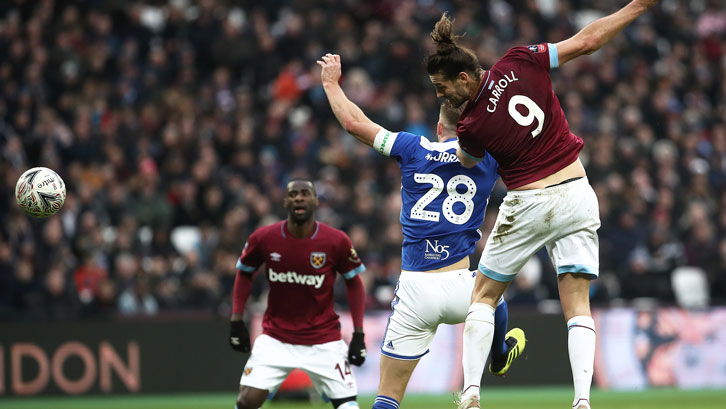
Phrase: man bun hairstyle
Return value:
(449, 58)
(443, 35)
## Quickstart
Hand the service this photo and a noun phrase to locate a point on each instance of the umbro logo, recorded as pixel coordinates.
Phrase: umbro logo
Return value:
(275, 256)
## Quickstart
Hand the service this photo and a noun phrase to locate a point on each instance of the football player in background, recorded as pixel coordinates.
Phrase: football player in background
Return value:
(300, 329)
(512, 113)
(443, 205)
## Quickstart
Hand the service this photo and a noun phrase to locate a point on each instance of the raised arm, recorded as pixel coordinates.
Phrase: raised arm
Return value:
(600, 31)
(350, 116)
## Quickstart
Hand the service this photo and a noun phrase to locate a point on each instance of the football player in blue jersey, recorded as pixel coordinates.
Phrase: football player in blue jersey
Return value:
(443, 205)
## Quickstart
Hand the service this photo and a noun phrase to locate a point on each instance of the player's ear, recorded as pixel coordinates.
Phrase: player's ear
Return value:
(439, 129)
(316, 202)
(463, 76)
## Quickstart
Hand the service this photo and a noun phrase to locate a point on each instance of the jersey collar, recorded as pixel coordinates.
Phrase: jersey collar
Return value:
(482, 86)
(285, 232)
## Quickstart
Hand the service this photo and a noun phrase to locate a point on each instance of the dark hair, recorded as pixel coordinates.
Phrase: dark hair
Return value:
(449, 58)
(449, 115)
(302, 179)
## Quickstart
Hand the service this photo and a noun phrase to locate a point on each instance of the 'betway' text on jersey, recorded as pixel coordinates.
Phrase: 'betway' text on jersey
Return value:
(443, 203)
(295, 278)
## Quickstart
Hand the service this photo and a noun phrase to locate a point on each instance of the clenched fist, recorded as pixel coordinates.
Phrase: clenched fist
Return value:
(239, 338)
(357, 349)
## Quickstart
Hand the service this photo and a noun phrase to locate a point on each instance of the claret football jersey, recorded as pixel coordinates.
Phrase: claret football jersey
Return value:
(517, 118)
(301, 274)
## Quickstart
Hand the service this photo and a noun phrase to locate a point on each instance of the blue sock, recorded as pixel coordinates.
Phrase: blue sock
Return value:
(501, 318)
(384, 402)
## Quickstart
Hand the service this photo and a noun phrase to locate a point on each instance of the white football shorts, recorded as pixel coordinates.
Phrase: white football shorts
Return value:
(563, 218)
(422, 302)
(326, 365)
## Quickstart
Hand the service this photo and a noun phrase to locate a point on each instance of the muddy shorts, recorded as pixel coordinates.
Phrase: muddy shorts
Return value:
(563, 218)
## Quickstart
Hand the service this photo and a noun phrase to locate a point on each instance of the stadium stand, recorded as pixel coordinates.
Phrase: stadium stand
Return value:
(175, 125)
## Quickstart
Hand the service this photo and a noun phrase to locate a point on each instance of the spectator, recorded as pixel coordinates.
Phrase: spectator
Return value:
(199, 117)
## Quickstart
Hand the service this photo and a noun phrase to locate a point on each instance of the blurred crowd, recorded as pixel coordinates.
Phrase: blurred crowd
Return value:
(175, 125)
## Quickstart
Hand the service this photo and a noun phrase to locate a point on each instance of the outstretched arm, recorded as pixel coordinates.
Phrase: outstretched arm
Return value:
(600, 31)
(350, 116)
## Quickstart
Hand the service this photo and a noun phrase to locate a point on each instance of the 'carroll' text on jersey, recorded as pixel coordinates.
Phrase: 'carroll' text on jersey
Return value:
(499, 90)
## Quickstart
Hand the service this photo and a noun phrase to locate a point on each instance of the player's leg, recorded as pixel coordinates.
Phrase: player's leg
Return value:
(478, 336)
(251, 398)
(501, 323)
(517, 234)
(573, 280)
(574, 296)
(328, 368)
(415, 313)
(395, 374)
(576, 257)
(507, 345)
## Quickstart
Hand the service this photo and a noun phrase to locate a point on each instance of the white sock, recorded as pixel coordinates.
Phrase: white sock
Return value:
(478, 336)
(581, 346)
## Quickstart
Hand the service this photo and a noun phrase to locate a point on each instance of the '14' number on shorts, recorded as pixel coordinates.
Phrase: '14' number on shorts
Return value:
(340, 370)
(535, 112)
(418, 212)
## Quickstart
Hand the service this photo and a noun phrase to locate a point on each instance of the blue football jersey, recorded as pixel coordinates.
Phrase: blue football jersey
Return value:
(443, 203)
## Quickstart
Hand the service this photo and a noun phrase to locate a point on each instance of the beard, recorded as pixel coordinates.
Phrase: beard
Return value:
(456, 102)
(301, 218)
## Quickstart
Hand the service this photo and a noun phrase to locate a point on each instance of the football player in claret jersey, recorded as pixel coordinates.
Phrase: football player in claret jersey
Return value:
(300, 329)
(443, 205)
(512, 113)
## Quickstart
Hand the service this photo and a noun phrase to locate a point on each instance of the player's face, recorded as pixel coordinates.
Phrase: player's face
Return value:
(300, 201)
(456, 91)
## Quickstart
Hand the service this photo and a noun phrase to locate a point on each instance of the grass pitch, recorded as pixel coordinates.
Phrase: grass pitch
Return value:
(505, 398)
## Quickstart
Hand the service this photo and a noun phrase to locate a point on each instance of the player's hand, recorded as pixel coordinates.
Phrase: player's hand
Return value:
(357, 349)
(239, 338)
(330, 74)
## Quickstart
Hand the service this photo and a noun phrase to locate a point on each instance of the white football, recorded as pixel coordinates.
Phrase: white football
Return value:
(40, 192)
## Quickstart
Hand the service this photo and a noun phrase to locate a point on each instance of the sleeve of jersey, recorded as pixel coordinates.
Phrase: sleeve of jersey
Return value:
(241, 292)
(356, 293)
(251, 257)
(543, 55)
(469, 148)
(349, 264)
(397, 145)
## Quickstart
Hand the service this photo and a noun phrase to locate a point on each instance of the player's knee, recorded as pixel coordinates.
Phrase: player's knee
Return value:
(345, 403)
(480, 312)
(488, 291)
